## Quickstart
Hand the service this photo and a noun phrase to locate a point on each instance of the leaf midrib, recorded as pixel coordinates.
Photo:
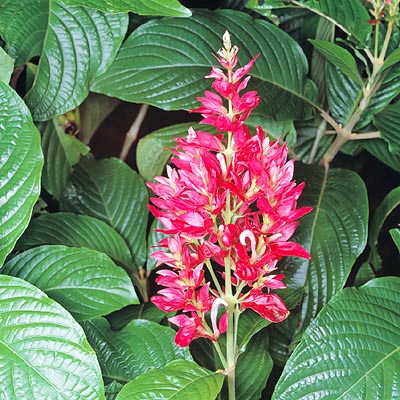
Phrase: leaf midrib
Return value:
(12, 351)
(368, 372)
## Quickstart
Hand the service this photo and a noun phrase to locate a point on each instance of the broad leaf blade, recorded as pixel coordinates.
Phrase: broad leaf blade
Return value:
(6, 66)
(335, 234)
(87, 283)
(44, 353)
(139, 346)
(395, 234)
(380, 149)
(388, 204)
(358, 326)
(20, 167)
(253, 368)
(339, 57)
(170, 74)
(76, 230)
(172, 8)
(179, 380)
(387, 121)
(62, 152)
(111, 191)
(349, 15)
(75, 44)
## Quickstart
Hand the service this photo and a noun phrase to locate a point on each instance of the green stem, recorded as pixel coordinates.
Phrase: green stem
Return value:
(214, 278)
(231, 351)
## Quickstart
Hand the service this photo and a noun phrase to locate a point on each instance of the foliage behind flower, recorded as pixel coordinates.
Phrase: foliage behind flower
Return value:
(228, 205)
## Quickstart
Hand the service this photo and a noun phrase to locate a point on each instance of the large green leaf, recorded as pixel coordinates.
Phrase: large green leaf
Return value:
(339, 57)
(111, 191)
(253, 368)
(351, 350)
(62, 152)
(76, 230)
(344, 96)
(75, 45)
(170, 8)
(164, 61)
(349, 15)
(179, 380)
(335, 234)
(395, 234)
(20, 167)
(44, 353)
(388, 204)
(139, 346)
(86, 282)
(387, 121)
(380, 149)
(6, 66)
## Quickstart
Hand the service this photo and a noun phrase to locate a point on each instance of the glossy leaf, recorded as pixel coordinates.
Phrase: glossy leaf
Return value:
(359, 326)
(6, 66)
(62, 152)
(85, 282)
(170, 74)
(344, 95)
(157, 144)
(76, 230)
(93, 111)
(178, 380)
(172, 8)
(339, 57)
(349, 15)
(75, 45)
(395, 234)
(392, 59)
(112, 390)
(253, 368)
(387, 122)
(388, 204)
(111, 191)
(20, 168)
(141, 345)
(335, 234)
(153, 240)
(44, 353)
(380, 149)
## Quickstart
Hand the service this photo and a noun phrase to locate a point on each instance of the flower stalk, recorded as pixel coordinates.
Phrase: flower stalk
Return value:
(229, 206)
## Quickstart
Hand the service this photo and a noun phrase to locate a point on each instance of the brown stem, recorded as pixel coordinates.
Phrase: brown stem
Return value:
(133, 131)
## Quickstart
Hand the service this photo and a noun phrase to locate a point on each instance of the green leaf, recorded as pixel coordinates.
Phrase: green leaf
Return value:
(93, 111)
(388, 204)
(339, 57)
(74, 44)
(380, 149)
(86, 282)
(6, 66)
(171, 8)
(395, 234)
(141, 345)
(335, 233)
(157, 143)
(179, 380)
(111, 191)
(358, 327)
(153, 240)
(364, 274)
(62, 152)
(387, 122)
(391, 60)
(76, 231)
(20, 167)
(163, 63)
(344, 96)
(349, 15)
(44, 352)
(112, 390)
(253, 368)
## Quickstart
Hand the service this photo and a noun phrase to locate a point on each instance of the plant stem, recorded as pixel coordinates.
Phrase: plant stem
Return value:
(231, 351)
(133, 131)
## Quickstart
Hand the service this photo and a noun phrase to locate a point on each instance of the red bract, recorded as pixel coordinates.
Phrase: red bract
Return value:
(229, 205)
